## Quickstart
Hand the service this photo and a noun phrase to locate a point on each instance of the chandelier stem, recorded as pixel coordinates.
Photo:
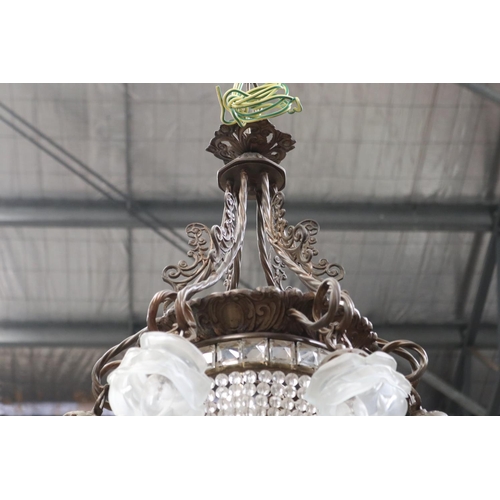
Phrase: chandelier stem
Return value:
(265, 207)
(234, 272)
(184, 314)
(265, 259)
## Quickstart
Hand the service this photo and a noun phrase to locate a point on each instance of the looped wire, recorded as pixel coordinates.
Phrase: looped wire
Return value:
(415, 402)
(321, 320)
(104, 365)
(165, 297)
(349, 308)
(260, 103)
(100, 401)
(185, 320)
(400, 347)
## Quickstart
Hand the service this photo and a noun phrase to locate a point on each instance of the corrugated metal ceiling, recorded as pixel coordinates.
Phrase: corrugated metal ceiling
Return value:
(412, 143)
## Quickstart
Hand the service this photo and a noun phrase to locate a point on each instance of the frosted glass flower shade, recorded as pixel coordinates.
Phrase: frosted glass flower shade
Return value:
(165, 376)
(354, 384)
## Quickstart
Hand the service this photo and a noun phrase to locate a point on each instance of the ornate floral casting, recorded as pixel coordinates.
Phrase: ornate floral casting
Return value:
(209, 246)
(183, 273)
(262, 137)
(279, 274)
(298, 241)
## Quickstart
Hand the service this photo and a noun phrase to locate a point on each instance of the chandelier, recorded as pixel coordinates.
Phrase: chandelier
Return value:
(269, 351)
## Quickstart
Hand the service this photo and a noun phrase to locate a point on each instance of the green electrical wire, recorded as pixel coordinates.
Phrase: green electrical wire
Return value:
(259, 103)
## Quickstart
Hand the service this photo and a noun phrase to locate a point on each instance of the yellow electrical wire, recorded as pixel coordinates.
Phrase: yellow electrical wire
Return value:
(259, 103)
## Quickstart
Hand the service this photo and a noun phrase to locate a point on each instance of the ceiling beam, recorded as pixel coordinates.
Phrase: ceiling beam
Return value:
(483, 90)
(87, 174)
(456, 396)
(107, 334)
(331, 216)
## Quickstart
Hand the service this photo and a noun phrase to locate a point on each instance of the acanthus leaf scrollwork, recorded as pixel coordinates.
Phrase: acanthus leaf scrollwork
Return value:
(208, 248)
(279, 274)
(178, 276)
(223, 235)
(298, 241)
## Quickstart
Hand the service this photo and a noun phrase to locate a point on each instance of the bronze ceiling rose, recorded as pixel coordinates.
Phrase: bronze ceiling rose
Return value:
(247, 333)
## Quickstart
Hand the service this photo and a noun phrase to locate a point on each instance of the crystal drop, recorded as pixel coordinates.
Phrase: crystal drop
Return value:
(228, 353)
(304, 381)
(222, 392)
(251, 411)
(282, 352)
(250, 377)
(212, 384)
(296, 413)
(247, 402)
(285, 413)
(211, 396)
(290, 392)
(277, 389)
(291, 379)
(209, 355)
(307, 355)
(278, 377)
(249, 389)
(273, 412)
(235, 378)
(275, 401)
(223, 404)
(300, 393)
(301, 405)
(236, 403)
(311, 408)
(254, 350)
(265, 376)
(260, 411)
(240, 412)
(261, 400)
(211, 408)
(263, 388)
(221, 379)
(229, 412)
(236, 389)
(288, 404)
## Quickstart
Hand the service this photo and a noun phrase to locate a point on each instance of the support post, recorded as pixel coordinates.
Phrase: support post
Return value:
(494, 408)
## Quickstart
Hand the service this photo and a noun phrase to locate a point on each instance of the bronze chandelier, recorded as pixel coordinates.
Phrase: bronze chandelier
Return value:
(273, 350)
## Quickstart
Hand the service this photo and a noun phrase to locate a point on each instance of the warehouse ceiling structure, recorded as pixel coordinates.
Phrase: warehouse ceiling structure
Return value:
(98, 181)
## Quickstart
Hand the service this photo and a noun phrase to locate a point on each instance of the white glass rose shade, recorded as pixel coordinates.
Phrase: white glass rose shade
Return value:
(355, 384)
(165, 376)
